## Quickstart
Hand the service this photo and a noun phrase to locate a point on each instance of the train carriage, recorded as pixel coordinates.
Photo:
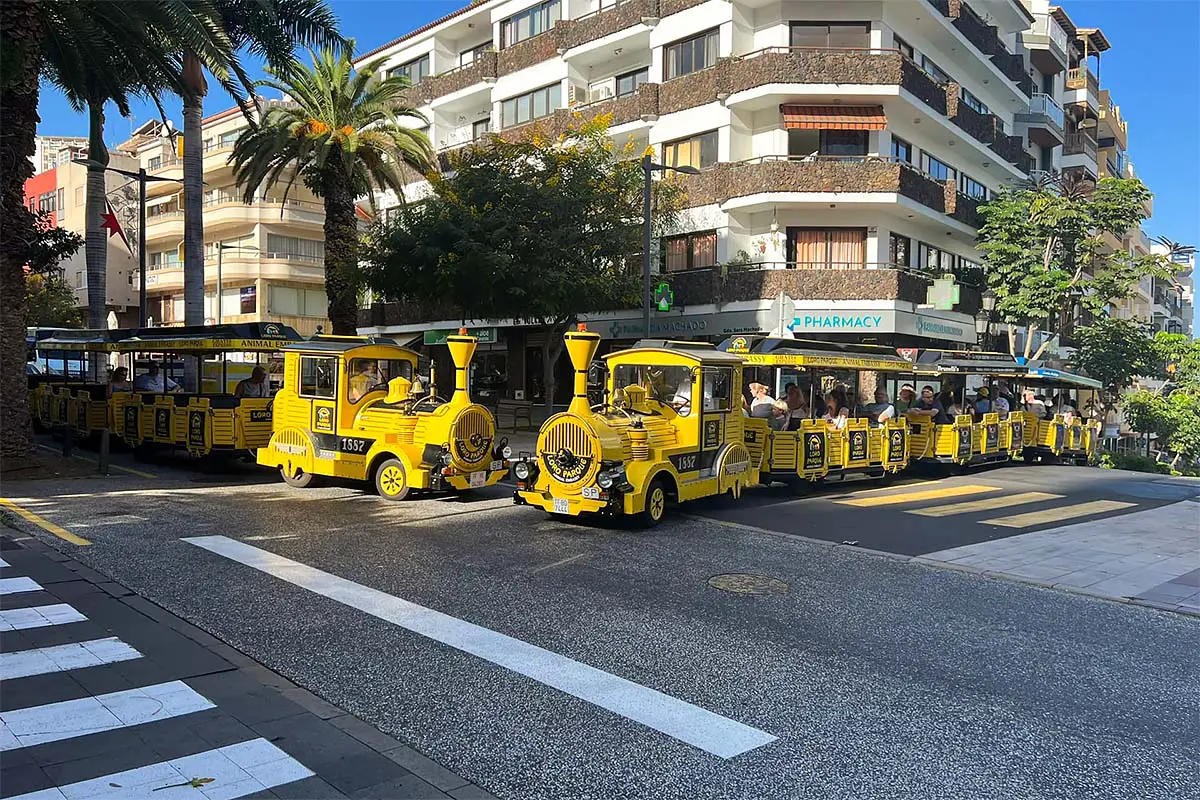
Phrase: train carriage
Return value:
(1068, 437)
(812, 449)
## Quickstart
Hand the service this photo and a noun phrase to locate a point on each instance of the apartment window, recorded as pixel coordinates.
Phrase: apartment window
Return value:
(154, 163)
(80, 281)
(480, 127)
(535, 105)
(80, 199)
(469, 56)
(936, 169)
(230, 138)
(46, 203)
(935, 72)
(208, 144)
(933, 260)
(165, 259)
(901, 150)
(905, 47)
(61, 202)
(318, 376)
(692, 55)
(970, 272)
(971, 187)
(803, 143)
(294, 302)
(973, 101)
(248, 300)
(630, 81)
(899, 248)
(831, 34)
(827, 248)
(415, 71)
(281, 246)
(689, 251)
(696, 151)
(530, 23)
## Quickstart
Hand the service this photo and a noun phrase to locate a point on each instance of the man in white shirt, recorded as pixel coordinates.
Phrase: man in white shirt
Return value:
(152, 380)
(881, 410)
(1034, 405)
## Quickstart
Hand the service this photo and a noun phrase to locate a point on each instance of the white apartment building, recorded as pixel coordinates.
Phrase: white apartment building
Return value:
(1172, 309)
(266, 256)
(844, 146)
(52, 151)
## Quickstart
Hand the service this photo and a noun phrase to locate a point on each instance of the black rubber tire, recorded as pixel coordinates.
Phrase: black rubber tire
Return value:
(301, 480)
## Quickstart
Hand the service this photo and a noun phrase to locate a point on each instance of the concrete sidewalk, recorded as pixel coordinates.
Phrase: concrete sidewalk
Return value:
(106, 694)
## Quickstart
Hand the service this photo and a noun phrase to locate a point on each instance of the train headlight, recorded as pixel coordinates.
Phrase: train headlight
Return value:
(445, 458)
(523, 470)
(507, 452)
(605, 480)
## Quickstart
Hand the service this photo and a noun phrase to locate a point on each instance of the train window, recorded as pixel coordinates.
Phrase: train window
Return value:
(318, 376)
(668, 385)
(718, 387)
(368, 374)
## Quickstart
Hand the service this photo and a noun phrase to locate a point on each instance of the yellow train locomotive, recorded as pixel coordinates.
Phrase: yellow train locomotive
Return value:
(349, 409)
(669, 431)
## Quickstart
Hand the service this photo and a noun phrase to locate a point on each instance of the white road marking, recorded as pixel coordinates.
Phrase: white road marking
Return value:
(63, 657)
(4, 563)
(688, 723)
(561, 563)
(236, 770)
(70, 718)
(19, 619)
(273, 536)
(16, 585)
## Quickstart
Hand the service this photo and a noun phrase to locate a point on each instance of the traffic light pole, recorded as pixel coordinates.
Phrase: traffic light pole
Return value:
(141, 247)
(647, 166)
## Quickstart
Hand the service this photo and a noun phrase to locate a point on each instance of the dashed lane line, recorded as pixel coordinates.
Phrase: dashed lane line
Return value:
(708, 731)
(917, 496)
(42, 523)
(986, 504)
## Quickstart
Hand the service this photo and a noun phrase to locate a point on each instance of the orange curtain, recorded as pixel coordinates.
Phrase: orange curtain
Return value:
(811, 251)
(677, 254)
(704, 250)
(847, 249)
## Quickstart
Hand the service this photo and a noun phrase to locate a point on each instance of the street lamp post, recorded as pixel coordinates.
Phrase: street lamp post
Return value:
(142, 178)
(983, 319)
(221, 248)
(648, 168)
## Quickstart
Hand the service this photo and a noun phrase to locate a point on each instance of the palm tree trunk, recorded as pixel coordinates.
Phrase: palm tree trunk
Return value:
(195, 88)
(341, 253)
(21, 34)
(96, 250)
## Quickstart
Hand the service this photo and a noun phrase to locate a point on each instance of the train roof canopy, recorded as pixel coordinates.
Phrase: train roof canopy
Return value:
(343, 344)
(700, 352)
(774, 351)
(1047, 375)
(968, 362)
(238, 337)
(92, 340)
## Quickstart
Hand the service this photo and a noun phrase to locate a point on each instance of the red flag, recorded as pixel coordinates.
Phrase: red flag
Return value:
(110, 222)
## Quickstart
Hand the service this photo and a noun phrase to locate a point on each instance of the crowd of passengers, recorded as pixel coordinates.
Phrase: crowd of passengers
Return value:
(152, 379)
(941, 408)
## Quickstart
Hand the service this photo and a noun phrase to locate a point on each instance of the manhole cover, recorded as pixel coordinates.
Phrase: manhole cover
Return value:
(745, 583)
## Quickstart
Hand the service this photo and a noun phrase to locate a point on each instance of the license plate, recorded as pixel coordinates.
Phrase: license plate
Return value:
(478, 479)
(562, 505)
(496, 465)
(591, 493)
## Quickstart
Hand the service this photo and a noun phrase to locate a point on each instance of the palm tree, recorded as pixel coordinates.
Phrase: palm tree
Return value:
(340, 133)
(70, 39)
(270, 29)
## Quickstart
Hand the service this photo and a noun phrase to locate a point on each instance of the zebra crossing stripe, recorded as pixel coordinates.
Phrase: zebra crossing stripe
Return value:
(236, 771)
(1057, 514)
(19, 619)
(916, 496)
(986, 504)
(4, 563)
(70, 718)
(17, 585)
(63, 657)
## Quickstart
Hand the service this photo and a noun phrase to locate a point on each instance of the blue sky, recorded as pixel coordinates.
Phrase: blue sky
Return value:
(1151, 71)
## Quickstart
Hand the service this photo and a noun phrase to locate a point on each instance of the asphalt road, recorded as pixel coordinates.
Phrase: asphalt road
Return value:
(879, 678)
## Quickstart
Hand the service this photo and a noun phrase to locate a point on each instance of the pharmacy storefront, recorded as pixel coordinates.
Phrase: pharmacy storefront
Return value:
(892, 325)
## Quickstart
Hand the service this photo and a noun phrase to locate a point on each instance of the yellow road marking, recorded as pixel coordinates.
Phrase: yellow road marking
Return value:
(913, 497)
(986, 504)
(111, 465)
(1057, 514)
(43, 523)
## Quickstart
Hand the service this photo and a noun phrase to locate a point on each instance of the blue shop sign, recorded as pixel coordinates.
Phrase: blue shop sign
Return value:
(838, 322)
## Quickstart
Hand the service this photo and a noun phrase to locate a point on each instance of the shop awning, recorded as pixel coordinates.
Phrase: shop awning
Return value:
(834, 118)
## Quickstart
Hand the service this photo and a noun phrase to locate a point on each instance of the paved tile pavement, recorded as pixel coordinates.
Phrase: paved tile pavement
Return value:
(104, 694)
(1151, 556)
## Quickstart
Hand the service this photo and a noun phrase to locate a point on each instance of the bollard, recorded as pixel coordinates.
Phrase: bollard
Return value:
(104, 445)
(68, 442)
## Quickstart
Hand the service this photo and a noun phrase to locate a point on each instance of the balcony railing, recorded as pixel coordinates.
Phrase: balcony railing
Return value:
(1045, 104)
(1046, 25)
(1080, 144)
(1082, 77)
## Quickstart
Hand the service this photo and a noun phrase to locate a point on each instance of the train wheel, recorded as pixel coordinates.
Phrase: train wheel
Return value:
(300, 480)
(391, 482)
(656, 504)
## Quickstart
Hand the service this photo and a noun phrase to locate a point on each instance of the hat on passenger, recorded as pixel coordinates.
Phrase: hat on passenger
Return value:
(983, 392)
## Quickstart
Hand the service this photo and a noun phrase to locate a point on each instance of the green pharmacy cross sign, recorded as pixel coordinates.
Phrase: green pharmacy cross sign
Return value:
(664, 298)
(943, 293)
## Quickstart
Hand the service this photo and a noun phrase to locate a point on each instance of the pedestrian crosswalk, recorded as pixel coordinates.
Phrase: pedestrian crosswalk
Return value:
(996, 499)
(203, 772)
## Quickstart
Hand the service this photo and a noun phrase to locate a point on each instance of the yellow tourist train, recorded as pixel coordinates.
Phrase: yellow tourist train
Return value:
(348, 409)
(1065, 436)
(648, 445)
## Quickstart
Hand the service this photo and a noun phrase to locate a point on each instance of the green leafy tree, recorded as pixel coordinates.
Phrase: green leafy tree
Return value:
(341, 134)
(1179, 356)
(271, 30)
(1045, 258)
(51, 302)
(1173, 418)
(1115, 352)
(541, 230)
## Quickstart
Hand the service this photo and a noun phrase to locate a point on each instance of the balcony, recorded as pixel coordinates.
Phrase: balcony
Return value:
(641, 105)
(723, 182)
(1048, 44)
(962, 207)
(1013, 67)
(1082, 87)
(608, 20)
(980, 126)
(1012, 150)
(1044, 120)
(1080, 144)
(480, 73)
(1111, 122)
(823, 65)
(971, 26)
